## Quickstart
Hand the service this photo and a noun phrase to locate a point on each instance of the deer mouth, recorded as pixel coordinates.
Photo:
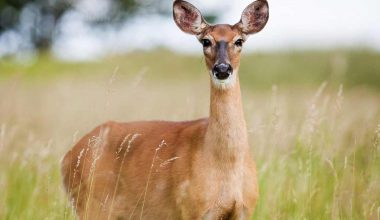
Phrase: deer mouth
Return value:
(222, 76)
(223, 80)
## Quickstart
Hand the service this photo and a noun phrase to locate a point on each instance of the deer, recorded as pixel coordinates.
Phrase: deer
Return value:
(200, 169)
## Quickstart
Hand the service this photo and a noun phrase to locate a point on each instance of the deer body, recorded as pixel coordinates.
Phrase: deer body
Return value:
(174, 170)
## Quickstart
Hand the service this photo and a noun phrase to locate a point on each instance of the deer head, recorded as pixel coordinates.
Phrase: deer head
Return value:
(222, 43)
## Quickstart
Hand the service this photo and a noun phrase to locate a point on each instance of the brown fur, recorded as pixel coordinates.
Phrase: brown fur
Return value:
(169, 170)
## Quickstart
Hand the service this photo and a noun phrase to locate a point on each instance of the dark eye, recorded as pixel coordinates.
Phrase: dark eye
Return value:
(206, 42)
(239, 43)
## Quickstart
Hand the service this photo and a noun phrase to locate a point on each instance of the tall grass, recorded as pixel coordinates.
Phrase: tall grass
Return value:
(259, 70)
(317, 147)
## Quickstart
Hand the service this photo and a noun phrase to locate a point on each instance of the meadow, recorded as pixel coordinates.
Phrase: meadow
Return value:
(313, 120)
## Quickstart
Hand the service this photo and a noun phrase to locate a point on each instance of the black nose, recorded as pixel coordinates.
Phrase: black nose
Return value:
(222, 71)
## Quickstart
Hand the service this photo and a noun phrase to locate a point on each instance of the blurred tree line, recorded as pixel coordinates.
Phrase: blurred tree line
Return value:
(37, 19)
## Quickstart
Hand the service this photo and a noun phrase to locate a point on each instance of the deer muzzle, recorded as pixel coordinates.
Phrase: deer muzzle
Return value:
(222, 69)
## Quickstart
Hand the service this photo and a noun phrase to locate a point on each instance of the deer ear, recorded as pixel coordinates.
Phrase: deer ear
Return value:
(254, 17)
(188, 18)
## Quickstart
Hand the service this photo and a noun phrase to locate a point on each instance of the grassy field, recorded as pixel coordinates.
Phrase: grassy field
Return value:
(313, 121)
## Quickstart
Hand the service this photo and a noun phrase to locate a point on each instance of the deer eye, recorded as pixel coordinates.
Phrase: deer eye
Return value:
(239, 43)
(206, 42)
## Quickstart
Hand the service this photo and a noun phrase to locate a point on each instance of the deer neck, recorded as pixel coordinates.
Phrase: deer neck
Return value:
(226, 136)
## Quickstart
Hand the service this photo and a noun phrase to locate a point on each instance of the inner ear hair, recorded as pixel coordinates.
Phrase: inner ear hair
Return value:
(254, 17)
(188, 18)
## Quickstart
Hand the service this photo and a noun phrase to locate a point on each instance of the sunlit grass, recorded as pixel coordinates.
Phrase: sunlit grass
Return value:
(259, 70)
(317, 146)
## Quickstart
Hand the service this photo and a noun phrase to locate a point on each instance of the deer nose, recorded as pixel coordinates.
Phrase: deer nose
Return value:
(222, 71)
